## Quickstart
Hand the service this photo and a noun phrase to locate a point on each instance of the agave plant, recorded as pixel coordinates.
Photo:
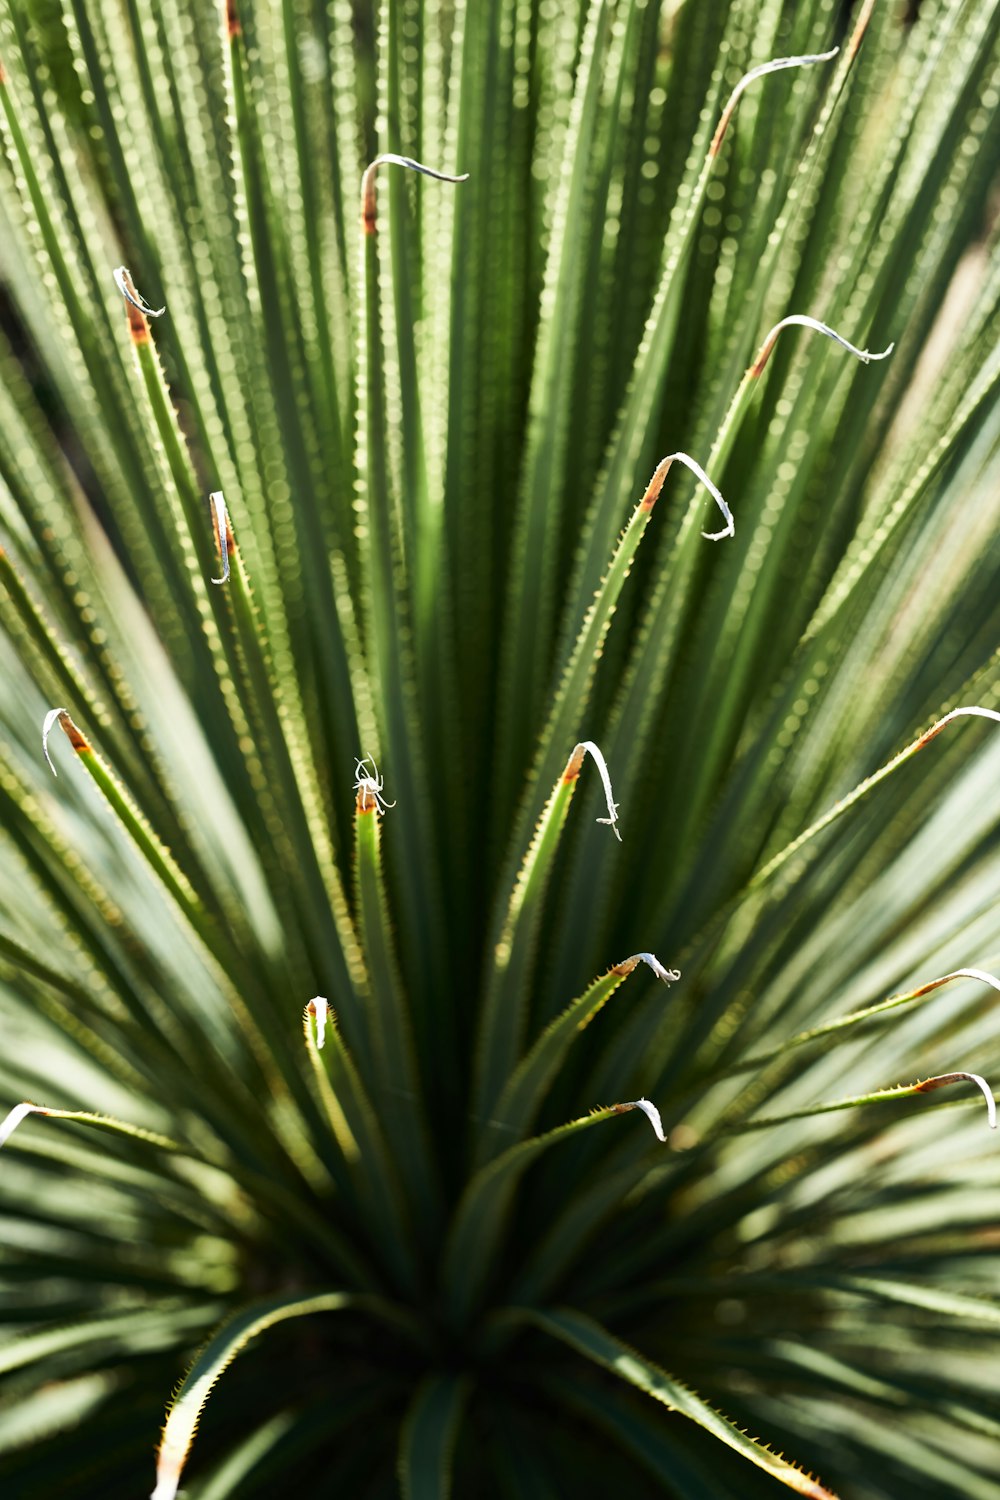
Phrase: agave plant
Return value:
(501, 1146)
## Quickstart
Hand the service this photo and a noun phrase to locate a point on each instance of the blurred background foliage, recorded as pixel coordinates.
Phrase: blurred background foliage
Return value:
(429, 439)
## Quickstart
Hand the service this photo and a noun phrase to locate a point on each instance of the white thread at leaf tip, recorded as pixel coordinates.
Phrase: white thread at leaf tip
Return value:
(131, 293)
(991, 1104)
(390, 159)
(15, 1116)
(371, 785)
(652, 1114)
(699, 473)
(957, 713)
(980, 974)
(802, 320)
(219, 507)
(50, 719)
(669, 976)
(321, 1009)
(775, 66)
(943, 1079)
(597, 755)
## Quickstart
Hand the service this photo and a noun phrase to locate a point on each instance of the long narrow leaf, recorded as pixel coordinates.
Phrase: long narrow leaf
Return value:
(594, 1342)
(428, 1439)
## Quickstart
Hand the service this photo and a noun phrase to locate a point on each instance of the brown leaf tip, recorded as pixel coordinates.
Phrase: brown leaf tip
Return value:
(763, 355)
(943, 1080)
(391, 159)
(627, 965)
(655, 485)
(970, 711)
(137, 325)
(776, 65)
(931, 734)
(78, 740)
(575, 764)
(803, 320)
(135, 303)
(233, 27)
(368, 200)
(319, 1008)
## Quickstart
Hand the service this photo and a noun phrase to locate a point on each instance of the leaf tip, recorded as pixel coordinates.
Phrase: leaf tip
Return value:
(651, 1112)
(369, 787)
(803, 320)
(390, 159)
(699, 473)
(942, 1080)
(587, 747)
(655, 485)
(972, 711)
(776, 65)
(667, 976)
(136, 306)
(14, 1117)
(225, 541)
(79, 741)
(319, 1008)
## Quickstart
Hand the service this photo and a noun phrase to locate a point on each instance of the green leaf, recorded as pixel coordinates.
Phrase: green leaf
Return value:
(526, 1087)
(590, 1339)
(428, 1438)
(212, 1362)
(895, 1091)
(642, 1436)
(479, 1219)
(367, 497)
(504, 1004)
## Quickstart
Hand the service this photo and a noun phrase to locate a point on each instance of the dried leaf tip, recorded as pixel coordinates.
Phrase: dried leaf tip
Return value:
(980, 974)
(956, 713)
(390, 159)
(572, 771)
(649, 1110)
(776, 65)
(944, 1079)
(319, 1007)
(79, 741)
(369, 786)
(668, 976)
(801, 320)
(223, 532)
(134, 298)
(656, 484)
